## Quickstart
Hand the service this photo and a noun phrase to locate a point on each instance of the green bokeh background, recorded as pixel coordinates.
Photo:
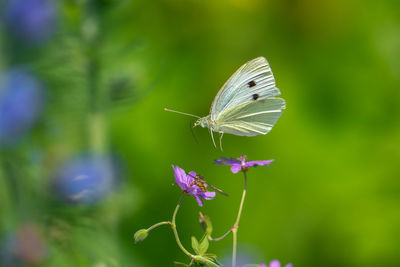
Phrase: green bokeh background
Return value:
(332, 196)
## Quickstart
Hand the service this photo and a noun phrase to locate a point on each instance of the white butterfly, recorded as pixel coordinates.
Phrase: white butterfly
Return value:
(246, 105)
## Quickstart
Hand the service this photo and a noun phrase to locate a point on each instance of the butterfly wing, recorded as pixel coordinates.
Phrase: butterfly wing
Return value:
(252, 81)
(251, 118)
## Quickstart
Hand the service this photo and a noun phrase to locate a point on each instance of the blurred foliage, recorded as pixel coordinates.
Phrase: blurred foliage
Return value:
(108, 68)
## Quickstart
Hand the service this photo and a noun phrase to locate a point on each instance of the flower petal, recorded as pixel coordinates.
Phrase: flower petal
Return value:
(258, 162)
(181, 178)
(190, 176)
(209, 195)
(236, 168)
(289, 265)
(199, 201)
(274, 263)
(225, 161)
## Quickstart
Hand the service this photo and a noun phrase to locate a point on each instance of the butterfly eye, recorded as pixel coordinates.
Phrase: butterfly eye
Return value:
(255, 96)
(251, 83)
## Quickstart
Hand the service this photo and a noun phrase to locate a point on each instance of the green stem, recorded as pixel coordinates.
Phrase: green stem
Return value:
(157, 225)
(234, 232)
(173, 225)
(236, 225)
(221, 237)
(178, 241)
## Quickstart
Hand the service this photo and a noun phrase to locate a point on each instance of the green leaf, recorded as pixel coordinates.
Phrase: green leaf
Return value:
(203, 247)
(195, 245)
(207, 260)
(213, 258)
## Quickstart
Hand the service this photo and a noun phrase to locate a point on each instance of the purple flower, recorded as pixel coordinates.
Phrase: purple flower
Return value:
(187, 183)
(241, 164)
(275, 263)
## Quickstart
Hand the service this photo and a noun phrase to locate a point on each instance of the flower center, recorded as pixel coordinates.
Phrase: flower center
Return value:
(242, 159)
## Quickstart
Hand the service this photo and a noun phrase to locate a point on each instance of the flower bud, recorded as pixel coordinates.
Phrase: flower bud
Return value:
(140, 235)
(205, 223)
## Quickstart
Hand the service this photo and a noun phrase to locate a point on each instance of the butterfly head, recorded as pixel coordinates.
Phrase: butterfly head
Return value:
(203, 122)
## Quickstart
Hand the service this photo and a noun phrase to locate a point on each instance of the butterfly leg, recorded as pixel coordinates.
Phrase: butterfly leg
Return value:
(220, 140)
(212, 137)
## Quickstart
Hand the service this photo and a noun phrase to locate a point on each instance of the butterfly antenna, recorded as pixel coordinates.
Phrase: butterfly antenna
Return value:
(191, 130)
(183, 113)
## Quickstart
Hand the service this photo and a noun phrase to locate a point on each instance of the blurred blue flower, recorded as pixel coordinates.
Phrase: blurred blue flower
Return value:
(21, 102)
(31, 20)
(86, 179)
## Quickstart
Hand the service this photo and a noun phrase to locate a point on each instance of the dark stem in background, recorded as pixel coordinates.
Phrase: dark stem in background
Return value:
(91, 35)
(13, 184)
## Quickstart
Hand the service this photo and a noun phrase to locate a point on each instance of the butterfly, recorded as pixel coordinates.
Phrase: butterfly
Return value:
(246, 105)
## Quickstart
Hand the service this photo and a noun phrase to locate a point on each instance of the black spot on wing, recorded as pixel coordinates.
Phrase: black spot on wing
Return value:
(255, 96)
(251, 83)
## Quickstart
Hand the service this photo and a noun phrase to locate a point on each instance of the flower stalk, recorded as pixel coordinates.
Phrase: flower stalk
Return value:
(157, 225)
(197, 258)
(239, 165)
(173, 226)
(194, 185)
(236, 225)
(221, 237)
